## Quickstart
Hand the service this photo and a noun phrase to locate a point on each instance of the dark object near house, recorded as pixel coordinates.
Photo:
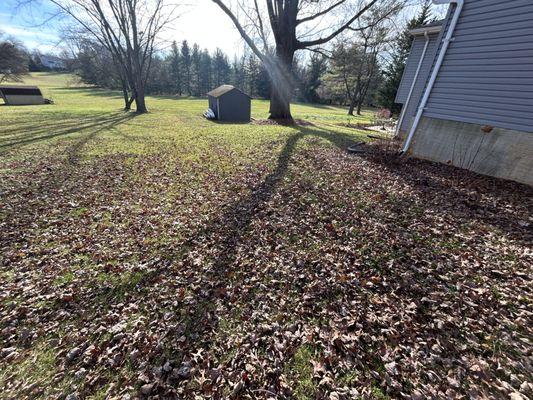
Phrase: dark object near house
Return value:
(21, 95)
(230, 104)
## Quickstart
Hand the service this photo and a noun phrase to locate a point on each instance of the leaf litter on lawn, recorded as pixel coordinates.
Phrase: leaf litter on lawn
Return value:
(310, 273)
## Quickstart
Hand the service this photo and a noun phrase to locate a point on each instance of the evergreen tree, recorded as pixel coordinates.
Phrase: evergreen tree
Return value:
(186, 66)
(239, 77)
(316, 68)
(221, 68)
(205, 73)
(195, 70)
(253, 70)
(174, 64)
(35, 64)
(392, 75)
(263, 83)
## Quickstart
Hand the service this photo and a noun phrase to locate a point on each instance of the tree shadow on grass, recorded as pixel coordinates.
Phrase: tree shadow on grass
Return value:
(231, 228)
(92, 91)
(228, 231)
(233, 224)
(117, 94)
(27, 133)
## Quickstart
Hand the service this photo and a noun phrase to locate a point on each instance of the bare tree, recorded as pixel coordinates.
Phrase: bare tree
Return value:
(294, 25)
(13, 60)
(129, 30)
(372, 40)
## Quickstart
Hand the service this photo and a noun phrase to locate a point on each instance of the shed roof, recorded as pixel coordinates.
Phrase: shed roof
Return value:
(433, 27)
(17, 87)
(19, 90)
(222, 90)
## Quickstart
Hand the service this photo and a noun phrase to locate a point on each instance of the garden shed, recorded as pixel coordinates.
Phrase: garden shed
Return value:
(229, 104)
(21, 95)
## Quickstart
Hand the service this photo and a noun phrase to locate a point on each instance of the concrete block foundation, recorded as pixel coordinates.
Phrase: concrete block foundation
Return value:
(487, 150)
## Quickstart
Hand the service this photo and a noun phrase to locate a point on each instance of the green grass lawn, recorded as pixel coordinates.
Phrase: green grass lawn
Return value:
(95, 115)
(166, 255)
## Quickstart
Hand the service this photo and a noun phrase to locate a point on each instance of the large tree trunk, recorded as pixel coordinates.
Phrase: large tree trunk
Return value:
(140, 103)
(282, 84)
(352, 106)
(280, 102)
(359, 107)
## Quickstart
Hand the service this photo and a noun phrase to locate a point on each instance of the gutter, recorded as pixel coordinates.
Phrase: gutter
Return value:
(425, 29)
(445, 44)
(412, 89)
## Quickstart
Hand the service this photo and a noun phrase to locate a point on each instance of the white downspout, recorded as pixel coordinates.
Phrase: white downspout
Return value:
(445, 44)
(412, 89)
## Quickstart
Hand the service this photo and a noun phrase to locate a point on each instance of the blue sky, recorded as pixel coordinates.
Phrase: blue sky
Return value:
(25, 25)
(197, 24)
(202, 23)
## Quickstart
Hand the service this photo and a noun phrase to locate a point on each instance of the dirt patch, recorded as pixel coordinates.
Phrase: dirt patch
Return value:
(360, 127)
(283, 122)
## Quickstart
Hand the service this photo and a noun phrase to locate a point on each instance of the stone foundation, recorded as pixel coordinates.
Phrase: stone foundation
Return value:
(498, 152)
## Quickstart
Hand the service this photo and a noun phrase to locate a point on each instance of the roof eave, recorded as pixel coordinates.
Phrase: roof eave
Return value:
(423, 30)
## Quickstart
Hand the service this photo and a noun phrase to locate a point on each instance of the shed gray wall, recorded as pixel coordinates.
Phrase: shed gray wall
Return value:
(23, 100)
(213, 105)
(417, 49)
(234, 106)
(487, 74)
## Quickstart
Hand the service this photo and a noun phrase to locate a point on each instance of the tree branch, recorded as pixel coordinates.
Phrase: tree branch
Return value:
(306, 44)
(320, 14)
(241, 30)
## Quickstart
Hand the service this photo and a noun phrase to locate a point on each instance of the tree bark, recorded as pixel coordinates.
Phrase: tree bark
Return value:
(282, 84)
(125, 94)
(355, 97)
(140, 102)
(352, 108)
(280, 104)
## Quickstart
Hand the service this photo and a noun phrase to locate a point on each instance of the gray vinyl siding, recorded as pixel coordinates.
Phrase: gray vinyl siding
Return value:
(487, 74)
(412, 64)
(409, 74)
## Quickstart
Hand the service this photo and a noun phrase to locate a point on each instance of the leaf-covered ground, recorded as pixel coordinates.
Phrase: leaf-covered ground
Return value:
(165, 256)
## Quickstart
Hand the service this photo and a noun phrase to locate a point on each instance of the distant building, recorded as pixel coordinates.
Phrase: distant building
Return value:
(467, 89)
(21, 95)
(230, 104)
(52, 62)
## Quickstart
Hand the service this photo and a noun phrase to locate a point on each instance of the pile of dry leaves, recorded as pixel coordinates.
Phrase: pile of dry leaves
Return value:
(299, 272)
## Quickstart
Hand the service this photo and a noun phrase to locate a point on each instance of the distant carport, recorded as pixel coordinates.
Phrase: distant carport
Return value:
(21, 95)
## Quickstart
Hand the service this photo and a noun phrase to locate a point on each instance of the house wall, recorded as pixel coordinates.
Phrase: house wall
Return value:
(413, 61)
(503, 153)
(487, 74)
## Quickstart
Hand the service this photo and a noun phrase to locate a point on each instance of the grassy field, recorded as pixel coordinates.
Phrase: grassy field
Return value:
(166, 255)
(96, 115)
